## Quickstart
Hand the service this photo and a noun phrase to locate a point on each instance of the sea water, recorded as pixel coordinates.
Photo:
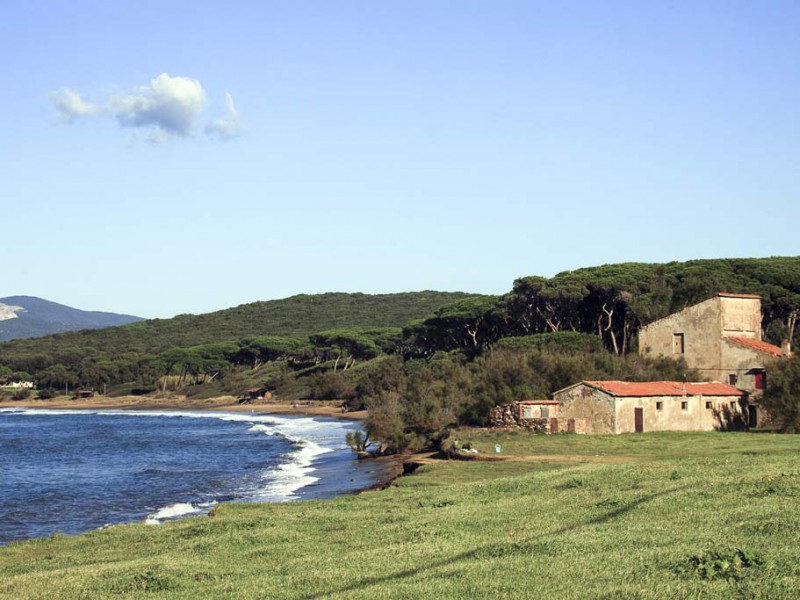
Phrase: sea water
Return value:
(71, 471)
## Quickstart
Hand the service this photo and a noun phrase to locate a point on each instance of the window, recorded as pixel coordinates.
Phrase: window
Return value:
(527, 412)
(733, 405)
(659, 406)
(684, 405)
(761, 380)
(733, 378)
(545, 412)
(677, 343)
(708, 405)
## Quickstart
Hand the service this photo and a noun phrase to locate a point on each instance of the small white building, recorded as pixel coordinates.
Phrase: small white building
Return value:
(18, 385)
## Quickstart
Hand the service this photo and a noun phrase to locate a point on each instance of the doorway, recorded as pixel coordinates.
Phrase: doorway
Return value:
(752, 416)
(638, 419)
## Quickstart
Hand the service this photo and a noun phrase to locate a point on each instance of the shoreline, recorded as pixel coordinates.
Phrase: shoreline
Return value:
(309, 408)
(392, 466)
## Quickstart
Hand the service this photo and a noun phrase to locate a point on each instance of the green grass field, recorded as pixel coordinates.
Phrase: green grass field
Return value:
(712, 515)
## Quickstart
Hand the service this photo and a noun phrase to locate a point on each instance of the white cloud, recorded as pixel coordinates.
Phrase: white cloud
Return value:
(71, 106)
(170, 104)
(229, 126)
(167, 107)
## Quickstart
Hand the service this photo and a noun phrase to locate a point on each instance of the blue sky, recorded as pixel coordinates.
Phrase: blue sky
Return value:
(385, 146)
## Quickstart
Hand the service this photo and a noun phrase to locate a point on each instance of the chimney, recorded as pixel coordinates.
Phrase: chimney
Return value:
(786, 346)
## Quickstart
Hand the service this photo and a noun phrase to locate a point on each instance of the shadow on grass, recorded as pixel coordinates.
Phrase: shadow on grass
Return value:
(495, 550)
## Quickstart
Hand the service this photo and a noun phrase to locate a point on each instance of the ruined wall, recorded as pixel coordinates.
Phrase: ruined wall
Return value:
(725, 412)
(515, 415)
(593, 406)
(701, 326)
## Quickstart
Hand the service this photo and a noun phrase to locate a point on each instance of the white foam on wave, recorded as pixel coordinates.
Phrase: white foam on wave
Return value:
(173, 511)
(283, 481)
(311, 438)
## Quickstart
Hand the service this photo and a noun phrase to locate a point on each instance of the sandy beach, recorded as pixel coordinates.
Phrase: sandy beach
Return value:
(316, 408)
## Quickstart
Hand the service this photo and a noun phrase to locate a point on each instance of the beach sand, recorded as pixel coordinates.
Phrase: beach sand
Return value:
(316, 408)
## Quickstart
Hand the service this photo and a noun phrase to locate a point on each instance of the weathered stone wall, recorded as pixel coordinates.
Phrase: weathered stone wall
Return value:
(594, 407)
(510, 415)
(743, 362)
(741, 317)
(701, 326)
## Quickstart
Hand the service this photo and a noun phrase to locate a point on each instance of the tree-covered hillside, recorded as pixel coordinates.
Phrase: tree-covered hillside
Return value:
(613, 302)
(111, 355)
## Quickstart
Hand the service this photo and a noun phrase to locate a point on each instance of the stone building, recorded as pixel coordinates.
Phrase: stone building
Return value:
(537, 415)
(720, 337)
(631, 407)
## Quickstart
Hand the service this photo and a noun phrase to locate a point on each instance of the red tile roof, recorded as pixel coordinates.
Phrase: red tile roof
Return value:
(730, 295)
(664, 388)
(756, 345)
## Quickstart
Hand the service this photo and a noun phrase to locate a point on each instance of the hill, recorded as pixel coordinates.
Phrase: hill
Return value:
(295, 316)
(28, 316)
(289, 345)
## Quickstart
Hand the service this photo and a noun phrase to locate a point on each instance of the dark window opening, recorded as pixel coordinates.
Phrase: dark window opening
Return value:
(708, 404)
(659, 406)
(733, 378)
(684, 405)
(677, 343)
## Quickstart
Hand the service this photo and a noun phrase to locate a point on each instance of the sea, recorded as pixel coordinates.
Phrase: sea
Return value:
(72, 471)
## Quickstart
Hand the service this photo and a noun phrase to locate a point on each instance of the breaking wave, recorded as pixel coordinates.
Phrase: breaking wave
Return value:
(310, 438)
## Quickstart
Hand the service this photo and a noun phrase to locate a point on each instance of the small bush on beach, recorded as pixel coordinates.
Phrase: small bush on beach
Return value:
(21, 394)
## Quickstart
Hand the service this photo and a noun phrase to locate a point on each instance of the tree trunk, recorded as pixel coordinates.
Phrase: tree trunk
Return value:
(610, 316)
(791, 322)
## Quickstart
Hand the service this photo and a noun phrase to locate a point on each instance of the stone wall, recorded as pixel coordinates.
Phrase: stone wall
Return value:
(510, 415)
(701, 326)
(594, 407)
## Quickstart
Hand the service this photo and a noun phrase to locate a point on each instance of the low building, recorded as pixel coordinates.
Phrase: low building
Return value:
(16, 385)
(720, 337)
(632, 407)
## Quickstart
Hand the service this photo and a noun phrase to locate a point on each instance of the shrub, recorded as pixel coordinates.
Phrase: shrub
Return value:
(357, 441)
(46, 394)
(331, 385)
(22, 394)
(782, 396)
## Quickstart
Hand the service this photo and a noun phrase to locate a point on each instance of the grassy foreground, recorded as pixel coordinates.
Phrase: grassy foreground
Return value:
(636, 516)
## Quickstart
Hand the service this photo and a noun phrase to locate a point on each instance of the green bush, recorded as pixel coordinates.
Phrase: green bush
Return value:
(331, 385)
(22, 394)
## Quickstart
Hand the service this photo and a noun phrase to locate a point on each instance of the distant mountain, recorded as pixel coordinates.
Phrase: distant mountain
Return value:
(28, 316)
